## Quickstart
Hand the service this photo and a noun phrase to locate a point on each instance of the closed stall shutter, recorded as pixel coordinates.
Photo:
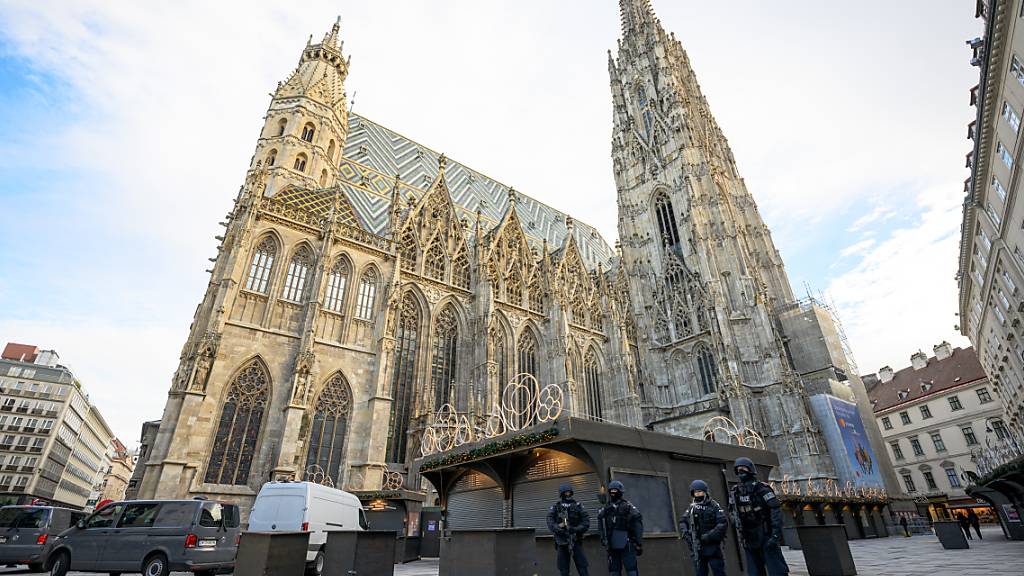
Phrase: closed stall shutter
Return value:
(474, 502)
(537, 489)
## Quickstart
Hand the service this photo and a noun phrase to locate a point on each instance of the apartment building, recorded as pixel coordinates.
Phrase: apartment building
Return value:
(54, 445)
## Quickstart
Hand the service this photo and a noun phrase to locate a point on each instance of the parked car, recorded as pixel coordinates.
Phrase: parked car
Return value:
(28, 533)
(307, 507)
(151, 536)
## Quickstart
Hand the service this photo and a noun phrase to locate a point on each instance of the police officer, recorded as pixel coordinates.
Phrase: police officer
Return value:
(759, 515)
(569, 521)
(703, 526)
(621, 526)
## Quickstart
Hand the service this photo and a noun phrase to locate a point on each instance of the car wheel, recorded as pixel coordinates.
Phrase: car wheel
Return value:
(316, 567)
(60, 563)
(156, 565)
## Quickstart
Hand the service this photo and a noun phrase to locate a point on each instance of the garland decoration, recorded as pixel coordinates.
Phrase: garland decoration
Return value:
(490, 449)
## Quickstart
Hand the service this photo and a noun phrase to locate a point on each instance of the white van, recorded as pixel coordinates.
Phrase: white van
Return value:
(306, 507)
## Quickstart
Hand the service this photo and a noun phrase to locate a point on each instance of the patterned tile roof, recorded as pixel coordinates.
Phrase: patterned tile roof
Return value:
(373, 155)
(961, 367)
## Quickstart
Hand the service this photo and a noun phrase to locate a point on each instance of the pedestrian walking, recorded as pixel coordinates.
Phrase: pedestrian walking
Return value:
(975, 522)
(759, 521)
(569, 521)
(622, 528)
(903, 523)
(964, 525)
(704, 526)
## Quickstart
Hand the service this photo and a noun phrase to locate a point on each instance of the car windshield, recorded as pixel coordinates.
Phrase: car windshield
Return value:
(23, 517)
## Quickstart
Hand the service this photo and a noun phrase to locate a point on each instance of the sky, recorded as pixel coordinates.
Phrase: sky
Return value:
(128, 127)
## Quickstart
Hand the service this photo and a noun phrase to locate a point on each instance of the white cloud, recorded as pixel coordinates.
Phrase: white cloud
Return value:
(858, 248)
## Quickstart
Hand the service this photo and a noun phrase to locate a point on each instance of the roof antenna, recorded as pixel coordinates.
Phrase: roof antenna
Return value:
(352, 103)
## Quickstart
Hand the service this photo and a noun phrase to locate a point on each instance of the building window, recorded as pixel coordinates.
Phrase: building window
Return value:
(969, 436)
(908, 481)
(262, 262)
(514, 288)
(435, 264)
(667, 229)
(408, 250)
(999, 314)
(954, 403)
(999, 427)
(334, 299)
(328, 428)
(498, 353)
(443, 368)
(307, 132)
(1005, 155)
(984, 396)
(300, 163)
(367, 295)
(1011, 117)
(985, 241)
(940, 446)
(994, 214)
(904, 417)
(897, 452)
(1009, 282)
(1017, 70)
(926, 412)
(954, 480)
(460, 271)
(535, 295)
(323, 178)
(403, 380)
(929, 479)
(592, 385)
(295, 280)
(526, 359)
(271, 158)
(915, 445)
(998, 187)
(281, 125)
(886, 423)
(707, 371)
(238, 431)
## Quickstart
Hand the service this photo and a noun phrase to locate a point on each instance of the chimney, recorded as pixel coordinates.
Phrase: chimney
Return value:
(885, 374)
(943, 351)
(870, 381)
(918, 360)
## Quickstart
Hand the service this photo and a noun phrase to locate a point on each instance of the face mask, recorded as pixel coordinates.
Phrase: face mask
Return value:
(745, 476)
(700, 498)
(616, 496)
(566, 495)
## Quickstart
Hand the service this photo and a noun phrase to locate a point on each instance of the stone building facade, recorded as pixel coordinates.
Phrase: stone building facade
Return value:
(364, 281)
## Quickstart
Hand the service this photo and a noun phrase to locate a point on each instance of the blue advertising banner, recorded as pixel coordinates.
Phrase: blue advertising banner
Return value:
(847, 441)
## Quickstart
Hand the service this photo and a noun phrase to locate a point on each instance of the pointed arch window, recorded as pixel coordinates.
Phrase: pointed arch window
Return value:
(707, 371)
(239, 427)
(295, 280)
(596, 316)
(262, 263)
(526, 363)
(514, 286)
(300, 163)
(330, 150)
(434, 262)
(334, 299)
(579, 310)
(668, 231)
(323, 178)
(403, 379)
(443, 366)
(645, 110)
(281, 125)
(271, 158)
(535, 295)
(408, 250)
(367, 295)
(592, 385)
(328, 429)
(307, 132)
(460, 271)
(499, 353)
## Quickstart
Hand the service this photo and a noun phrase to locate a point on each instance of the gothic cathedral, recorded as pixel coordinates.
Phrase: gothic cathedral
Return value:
(363, 281)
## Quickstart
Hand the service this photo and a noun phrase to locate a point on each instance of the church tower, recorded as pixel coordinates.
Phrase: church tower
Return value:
(704, 276)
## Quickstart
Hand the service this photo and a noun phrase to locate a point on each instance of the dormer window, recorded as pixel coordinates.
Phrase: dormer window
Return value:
(926, 386)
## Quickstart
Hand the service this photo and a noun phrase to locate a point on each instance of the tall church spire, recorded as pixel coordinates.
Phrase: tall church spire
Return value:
(634, 13)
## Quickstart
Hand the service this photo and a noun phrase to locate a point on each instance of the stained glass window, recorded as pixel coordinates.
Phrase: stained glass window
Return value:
(328, 428)
(239, 426)
(527, 352)
(262, 263)
(334, 299)
(295, 280)
(403, 379)
(443, 364)
(367, 295)
(592, 385)
(706, 370)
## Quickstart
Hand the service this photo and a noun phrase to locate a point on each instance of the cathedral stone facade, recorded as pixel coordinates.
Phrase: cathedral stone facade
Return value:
(363, 281)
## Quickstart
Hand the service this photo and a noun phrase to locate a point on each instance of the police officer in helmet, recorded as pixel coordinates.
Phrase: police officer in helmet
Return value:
(621, 526)
(759, 520)
(703, 526)
(569, 521)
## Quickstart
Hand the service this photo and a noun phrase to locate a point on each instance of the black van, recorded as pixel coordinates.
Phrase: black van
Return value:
(151, 536)
(28, 533)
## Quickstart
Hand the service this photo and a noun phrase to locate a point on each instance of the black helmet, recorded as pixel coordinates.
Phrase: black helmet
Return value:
(616, 485)
(698, 485)
(744, 461)
(564, 488)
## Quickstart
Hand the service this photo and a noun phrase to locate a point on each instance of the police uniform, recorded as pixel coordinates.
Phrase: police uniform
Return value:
(759, 515)
(569, 521)
(704, 526)
(621, 527)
